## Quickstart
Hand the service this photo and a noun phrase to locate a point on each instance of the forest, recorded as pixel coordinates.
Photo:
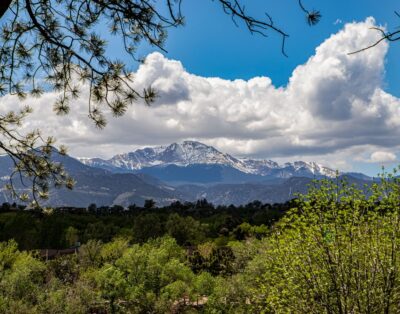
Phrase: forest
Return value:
(333, 250)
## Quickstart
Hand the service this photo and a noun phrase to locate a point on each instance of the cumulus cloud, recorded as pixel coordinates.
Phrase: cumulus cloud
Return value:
(332, 104)
(382, 157)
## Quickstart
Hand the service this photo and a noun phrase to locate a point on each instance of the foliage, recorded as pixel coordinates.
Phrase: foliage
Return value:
(33, 168)
(21, 277)
(184, 228)
(146, 278)
(335, 251)
(190, 224)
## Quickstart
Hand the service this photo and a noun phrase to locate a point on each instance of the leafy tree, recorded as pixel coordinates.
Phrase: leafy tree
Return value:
(113, 250)
(231, 295)
(203, 284)
(145, 278)
(20, 279)
(92, 208)
(244, 252)
(147, 226)
(337, 252)
(23, 230)
(98, 231)
(90, 254)
(117, 209)
(71, 236)
(64, 268)
(59, 298)
(149, 203)
(185, 230)
(213, 259)
(5, 206)
(246, 230)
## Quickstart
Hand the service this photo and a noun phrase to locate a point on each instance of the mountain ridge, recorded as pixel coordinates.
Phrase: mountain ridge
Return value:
(219, 183)
(94, 185)
(189, 153)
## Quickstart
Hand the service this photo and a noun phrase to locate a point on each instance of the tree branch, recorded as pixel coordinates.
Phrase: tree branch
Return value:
(4, 5)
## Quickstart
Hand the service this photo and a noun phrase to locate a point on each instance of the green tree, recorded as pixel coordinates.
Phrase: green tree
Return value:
(147, 226)
(337, 252)
(23, 229)
(90, 254)
(99, 231)
(150, 203)
(185, 230)
(92, 208)
(144, 278)
(21, 277)
(71, 236)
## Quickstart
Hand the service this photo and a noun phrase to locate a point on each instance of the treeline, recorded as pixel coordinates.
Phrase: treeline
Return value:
(336, 250)
(188, 223)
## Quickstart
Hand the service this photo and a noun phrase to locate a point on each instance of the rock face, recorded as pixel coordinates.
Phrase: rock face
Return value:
(191, 154)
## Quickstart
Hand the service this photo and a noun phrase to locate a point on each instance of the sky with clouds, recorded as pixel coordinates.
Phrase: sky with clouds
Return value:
(335, 109)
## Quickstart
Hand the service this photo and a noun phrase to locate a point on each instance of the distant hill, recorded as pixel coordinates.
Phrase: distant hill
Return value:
(278, 191)
(98, 186)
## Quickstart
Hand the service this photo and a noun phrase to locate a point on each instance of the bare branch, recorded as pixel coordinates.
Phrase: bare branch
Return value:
(394, 36)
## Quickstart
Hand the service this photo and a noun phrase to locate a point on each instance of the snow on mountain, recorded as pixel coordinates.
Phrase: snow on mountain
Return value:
(182, 154)
(313, 167)
(192, 152)
(259, 166)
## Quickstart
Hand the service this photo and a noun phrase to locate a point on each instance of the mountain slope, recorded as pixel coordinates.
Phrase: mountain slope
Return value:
(278, 191)
(98, 186)
(192, 162)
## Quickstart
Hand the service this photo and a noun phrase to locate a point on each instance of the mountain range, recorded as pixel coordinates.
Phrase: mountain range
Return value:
(184, 171)
(195, 162)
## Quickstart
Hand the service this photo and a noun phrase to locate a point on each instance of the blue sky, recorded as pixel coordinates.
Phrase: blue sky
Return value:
(211, 45)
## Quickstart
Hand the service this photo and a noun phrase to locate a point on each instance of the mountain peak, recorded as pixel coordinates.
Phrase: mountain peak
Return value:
(190, 152)
(189, 145)
(193, 143)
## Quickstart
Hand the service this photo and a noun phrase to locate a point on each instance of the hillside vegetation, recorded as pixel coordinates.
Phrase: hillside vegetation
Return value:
(334, 250)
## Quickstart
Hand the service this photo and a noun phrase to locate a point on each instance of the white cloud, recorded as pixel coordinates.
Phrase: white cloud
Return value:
(383, 157)
(333, 105)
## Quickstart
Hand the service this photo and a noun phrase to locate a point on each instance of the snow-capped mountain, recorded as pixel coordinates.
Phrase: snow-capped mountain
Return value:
(190, 153)
(187, 172)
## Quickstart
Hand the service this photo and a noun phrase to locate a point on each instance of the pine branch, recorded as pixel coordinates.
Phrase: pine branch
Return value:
(4, 5)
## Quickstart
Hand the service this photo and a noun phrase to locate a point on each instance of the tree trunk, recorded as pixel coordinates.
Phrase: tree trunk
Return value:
(4, 5)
